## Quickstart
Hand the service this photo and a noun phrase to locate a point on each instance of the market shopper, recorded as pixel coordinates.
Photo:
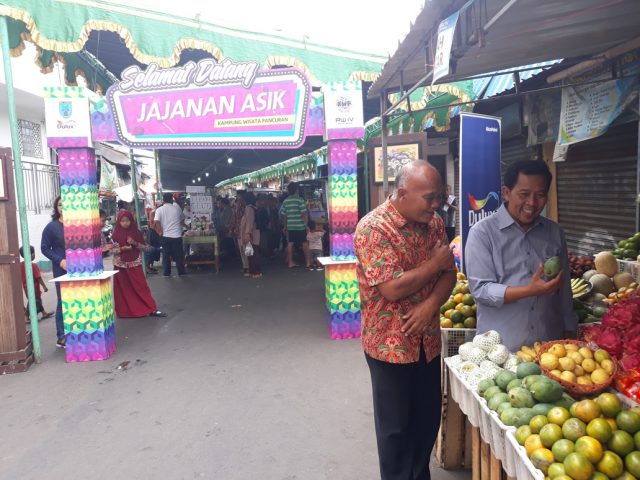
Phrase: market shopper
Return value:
(405, 272)
(52, 247)
(239, 208)
(250, 236)
(294, 213)
(131, 295)
(38, 284)
(169, 221)
(504, 255)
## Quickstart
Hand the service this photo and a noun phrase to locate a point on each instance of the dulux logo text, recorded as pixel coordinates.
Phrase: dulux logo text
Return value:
(477, 211)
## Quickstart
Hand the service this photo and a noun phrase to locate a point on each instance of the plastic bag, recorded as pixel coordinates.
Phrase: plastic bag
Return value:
(248, 250)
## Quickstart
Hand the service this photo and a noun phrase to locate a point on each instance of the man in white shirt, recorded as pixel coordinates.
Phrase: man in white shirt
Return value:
(169, 220)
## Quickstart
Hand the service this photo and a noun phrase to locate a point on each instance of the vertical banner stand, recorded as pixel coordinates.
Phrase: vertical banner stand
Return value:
(343, 114)
(86, 289)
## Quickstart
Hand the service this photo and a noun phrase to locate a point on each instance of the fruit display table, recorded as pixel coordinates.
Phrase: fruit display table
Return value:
(491, 431)
(206, 240)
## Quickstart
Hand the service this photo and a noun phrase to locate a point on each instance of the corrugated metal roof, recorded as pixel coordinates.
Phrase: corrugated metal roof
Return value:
(503, 80)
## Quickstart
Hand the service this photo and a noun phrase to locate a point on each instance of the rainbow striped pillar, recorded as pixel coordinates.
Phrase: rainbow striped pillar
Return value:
(342, 294)
(87, 301)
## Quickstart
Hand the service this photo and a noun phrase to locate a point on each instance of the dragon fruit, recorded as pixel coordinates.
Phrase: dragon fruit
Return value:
(630, 361)
(611, 340)
(498, 354)
(486, 341)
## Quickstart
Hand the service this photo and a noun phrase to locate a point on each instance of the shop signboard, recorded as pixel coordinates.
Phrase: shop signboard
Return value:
(210, 104)
(446, 30)
(480, 183)
(67, 117)
(343, 110)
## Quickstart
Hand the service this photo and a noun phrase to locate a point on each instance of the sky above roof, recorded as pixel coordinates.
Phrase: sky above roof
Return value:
(373, 26)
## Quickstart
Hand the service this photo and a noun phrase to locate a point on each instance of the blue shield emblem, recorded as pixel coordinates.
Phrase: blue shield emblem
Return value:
(65, 109)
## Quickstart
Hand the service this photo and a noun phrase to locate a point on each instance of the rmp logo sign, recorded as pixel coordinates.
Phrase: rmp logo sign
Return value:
(479, 170)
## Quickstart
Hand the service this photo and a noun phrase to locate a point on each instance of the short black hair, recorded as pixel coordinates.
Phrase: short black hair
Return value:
(249, 198)
(167, 198)
(225, 201)
(33, 252)
(312, 224)
(292, 188)
(526, 167)
(56, 215)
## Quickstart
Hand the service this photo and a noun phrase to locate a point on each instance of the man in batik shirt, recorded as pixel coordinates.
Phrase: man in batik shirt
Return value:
(405, 272)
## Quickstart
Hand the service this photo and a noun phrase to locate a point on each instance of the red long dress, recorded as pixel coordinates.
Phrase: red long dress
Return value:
(131, 292)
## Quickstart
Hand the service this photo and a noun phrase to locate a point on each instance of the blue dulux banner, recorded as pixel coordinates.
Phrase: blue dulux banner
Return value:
(480, 182)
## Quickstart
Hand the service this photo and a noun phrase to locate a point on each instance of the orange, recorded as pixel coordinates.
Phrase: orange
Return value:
(448, 313)
(459, 307)
(522, 433)
(612, 423)
(467, 311)
(562, 448)
(537, 423)
(573, 429)
(628, 421)
(621, 443)
(632, 462)
(587, 410)
(610, 404)
(590, 448)
(599, 429)
(555, 470)
(558, 415)
(446, 323)
(467, 299)
(550, 434)
(578, 466)
(542, 459)
(458, 297)
(610, 464)
(532, 444)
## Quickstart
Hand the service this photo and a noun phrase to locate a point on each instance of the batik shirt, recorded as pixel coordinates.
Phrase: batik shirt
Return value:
(387, 246)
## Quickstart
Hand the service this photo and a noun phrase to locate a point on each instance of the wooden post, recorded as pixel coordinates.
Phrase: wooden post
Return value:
(15, 344)
(552, 199)
(476, 463)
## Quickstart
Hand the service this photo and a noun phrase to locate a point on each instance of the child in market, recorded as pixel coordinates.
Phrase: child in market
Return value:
(315, 233)
(38, 282)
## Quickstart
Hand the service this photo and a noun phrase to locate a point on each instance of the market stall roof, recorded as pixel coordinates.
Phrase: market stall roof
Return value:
(109, 29)
(517, 32)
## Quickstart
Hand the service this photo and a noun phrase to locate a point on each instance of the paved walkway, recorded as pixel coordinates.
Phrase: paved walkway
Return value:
(239, 382)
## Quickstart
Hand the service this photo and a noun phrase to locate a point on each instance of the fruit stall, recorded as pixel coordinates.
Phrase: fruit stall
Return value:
(564, 409)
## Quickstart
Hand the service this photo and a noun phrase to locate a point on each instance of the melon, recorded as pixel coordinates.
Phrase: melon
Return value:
(622, 279)
(602, 284)
(588, 274)
(606, 263)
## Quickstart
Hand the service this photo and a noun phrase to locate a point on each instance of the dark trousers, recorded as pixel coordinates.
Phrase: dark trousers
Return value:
(407, 403)
(254, 261)
(451, 233)
(59, 321)
(172, 248)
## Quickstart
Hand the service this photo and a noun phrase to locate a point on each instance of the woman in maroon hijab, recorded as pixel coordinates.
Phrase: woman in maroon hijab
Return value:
(131, 293)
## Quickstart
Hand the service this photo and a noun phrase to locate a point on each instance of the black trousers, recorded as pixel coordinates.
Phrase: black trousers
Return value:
(172, 248)
(407, 403)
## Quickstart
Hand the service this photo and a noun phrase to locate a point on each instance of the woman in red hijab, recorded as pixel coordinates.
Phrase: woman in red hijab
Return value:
(131, 293)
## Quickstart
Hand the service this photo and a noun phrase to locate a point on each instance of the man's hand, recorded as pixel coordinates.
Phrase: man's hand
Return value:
(442, 256)
(46, 289)
(539, 287)
(63, 264)
(419, 319)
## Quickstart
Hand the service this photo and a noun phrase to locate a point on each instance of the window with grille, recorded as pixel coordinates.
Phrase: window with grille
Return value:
(30, 139)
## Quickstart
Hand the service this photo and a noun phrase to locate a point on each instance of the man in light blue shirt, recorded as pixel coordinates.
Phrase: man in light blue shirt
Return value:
(504, 255)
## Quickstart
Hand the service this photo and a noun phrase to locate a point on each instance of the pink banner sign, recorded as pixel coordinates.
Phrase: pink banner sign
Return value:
(210, 105)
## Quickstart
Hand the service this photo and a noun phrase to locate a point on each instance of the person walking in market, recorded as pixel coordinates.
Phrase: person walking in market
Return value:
(131, 294)
(504, 258)
(294, 212)
(52, 247)
(169, 221)
(250, 236)
(405, 272)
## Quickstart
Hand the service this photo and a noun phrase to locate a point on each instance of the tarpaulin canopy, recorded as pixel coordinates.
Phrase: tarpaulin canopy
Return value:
(101, 27)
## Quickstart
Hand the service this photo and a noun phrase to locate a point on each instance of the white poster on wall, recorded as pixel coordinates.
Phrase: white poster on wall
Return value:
(68, 118)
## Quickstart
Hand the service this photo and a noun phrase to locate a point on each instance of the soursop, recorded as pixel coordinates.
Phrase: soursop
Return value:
(474, 354)
(491, 368)
(455, 361)
(467, 368)
(498, 354)
(486, 341)
(512, 361)
(464, 349)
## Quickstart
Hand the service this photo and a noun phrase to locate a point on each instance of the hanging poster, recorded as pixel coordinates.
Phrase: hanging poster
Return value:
(210, 105)
(446, 30)
(480, 182)
(588, 110)
(343, 110)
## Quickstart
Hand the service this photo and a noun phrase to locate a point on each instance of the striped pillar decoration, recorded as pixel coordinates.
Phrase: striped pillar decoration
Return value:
(87, 301)
(343, 301)
(343, 197)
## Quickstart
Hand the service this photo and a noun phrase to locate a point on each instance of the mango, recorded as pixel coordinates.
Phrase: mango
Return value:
(552, 267)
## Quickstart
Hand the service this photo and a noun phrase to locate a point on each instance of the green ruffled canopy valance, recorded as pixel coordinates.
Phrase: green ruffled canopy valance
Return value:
(60, 27)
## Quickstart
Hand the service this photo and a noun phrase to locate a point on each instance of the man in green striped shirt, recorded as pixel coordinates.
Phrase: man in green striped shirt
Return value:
(294, 212)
